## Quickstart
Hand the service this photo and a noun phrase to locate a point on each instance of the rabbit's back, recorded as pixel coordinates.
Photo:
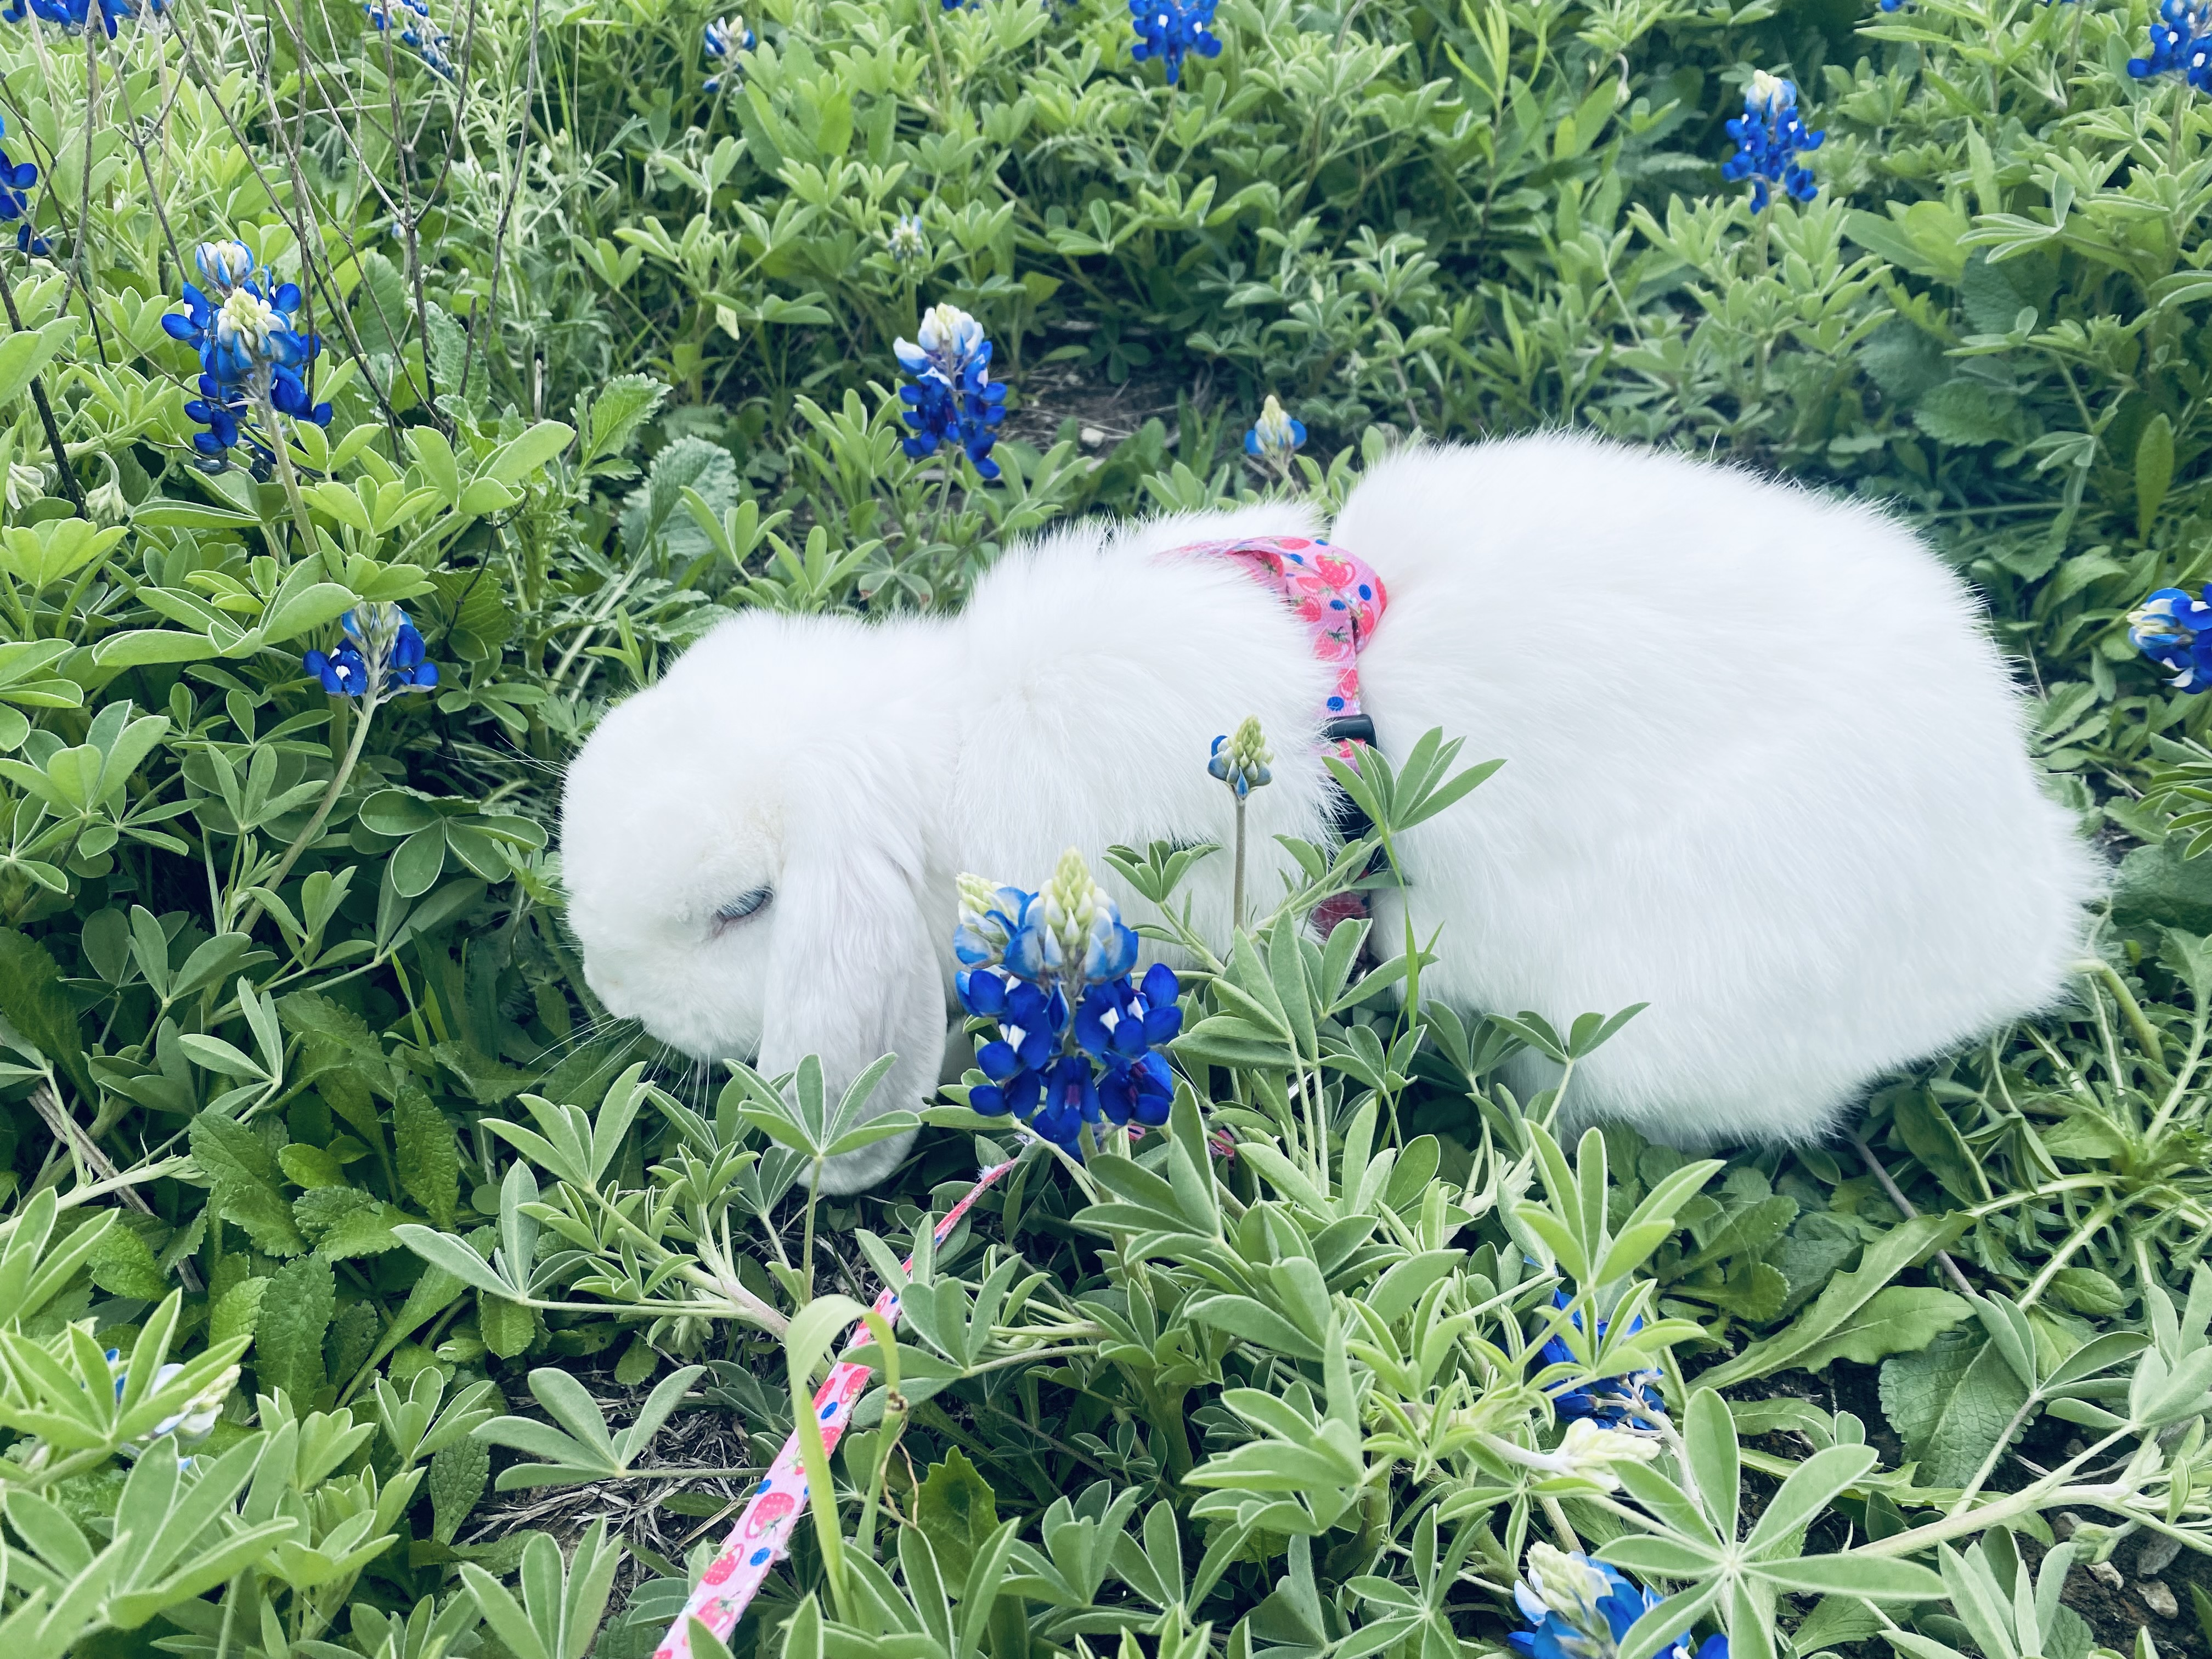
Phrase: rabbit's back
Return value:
(1765, 771)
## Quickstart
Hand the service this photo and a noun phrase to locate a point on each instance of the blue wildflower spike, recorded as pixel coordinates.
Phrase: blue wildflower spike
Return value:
(1769, 138)
(74, 17)
(1578, 1609)
(1630, 1402)
(1170, 30)
(722, 40)
(411, 21)
(951, 399)
(16, 179)
(1076, 1042)
(249, 345)
(2180, 44)
(381, 652)
(2175, 632)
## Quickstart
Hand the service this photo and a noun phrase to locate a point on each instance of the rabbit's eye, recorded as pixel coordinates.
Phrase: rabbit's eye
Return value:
(743, 906)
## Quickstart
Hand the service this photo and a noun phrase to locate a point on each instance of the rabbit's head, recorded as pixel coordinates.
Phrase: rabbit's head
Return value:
(744, 847)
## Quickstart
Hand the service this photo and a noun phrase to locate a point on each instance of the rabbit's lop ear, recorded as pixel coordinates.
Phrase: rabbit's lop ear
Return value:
(854, 976)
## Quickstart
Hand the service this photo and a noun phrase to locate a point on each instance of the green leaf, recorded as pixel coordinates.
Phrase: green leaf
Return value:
(2154, 470)
(1242, 1316)
(287, 1337)
(956, 1512)
(459, 1474)
(238, 1312)
(1970, 412)
(246, 1188)
(23, 354)
(507, 1328)
(512, 462)
(32, 997)
(123, 1264)
(1949, 1403)
(1899, 1319)
(1840, 1322)
(429, 1161)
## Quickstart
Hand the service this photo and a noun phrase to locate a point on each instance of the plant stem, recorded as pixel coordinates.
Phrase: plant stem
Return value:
(1237, 881)
(2028, 1499)
(1905, 1208)
(806, 1247)
(2145, 1034)
(1990, 1464)
(291, 480)
(307, 837)
(70, 487)
(2098, 1217)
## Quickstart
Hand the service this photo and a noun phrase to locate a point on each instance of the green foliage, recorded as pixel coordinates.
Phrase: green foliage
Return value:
(305, 1094)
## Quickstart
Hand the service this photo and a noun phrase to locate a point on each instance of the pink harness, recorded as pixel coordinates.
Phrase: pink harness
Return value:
(1337, 597)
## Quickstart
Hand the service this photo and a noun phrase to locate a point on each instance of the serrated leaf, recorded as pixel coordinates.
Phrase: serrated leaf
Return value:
(246, 1188)
(287, 1336)
(459, 1474)
(32, 997)
(123, 1264)
(1949, 1403)
(957, 1512)
(428, 1160)
(507, 1328)
(1969, 412)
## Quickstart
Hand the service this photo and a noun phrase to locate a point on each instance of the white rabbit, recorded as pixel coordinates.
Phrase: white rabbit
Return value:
(1764, 771)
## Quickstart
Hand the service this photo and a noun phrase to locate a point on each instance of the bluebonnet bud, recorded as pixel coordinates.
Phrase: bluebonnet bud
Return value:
(1275, 437)
(905, 239)
(1241, 762)
(224, 264)
(722, 40)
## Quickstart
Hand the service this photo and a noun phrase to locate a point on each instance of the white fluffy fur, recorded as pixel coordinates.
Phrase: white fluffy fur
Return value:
(1764, 771)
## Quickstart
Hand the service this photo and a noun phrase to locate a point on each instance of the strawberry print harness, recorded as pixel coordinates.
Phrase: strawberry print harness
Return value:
(1337, 596)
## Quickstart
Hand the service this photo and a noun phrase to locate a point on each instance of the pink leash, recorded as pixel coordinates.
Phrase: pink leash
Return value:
(762, 1534)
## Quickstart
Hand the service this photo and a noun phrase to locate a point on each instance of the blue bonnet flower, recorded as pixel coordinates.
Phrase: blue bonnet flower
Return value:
(1770, 138)
(2175, 632)
(1076, 1042)
(951, 399)
(250, 347)
(382, 652)
(1578, 1609)
(1171, 29)
(2180, 44)
(1630, 1401)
